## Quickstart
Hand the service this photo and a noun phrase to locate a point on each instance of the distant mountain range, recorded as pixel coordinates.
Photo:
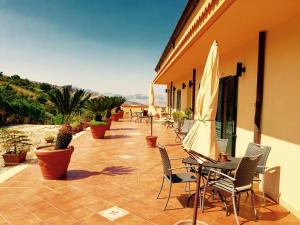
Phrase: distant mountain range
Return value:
(160, 100)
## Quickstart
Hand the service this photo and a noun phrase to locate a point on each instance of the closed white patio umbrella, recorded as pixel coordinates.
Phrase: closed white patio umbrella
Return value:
(151, 108)
(202, 137)
(201, 141)
(151, 140)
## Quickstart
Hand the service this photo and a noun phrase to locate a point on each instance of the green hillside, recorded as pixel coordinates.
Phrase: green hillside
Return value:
(25, 101)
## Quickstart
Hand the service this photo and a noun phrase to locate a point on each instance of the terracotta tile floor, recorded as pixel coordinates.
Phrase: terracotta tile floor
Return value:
(100, 177)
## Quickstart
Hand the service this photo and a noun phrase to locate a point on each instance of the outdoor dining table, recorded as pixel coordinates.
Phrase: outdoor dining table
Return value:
(226, 167)
(230, 165)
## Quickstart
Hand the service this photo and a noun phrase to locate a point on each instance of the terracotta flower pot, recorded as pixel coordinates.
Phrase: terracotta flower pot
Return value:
(115, 117)
(151, 141)
(98, 131)
(14, 159)
(53, 163)
(85, 124)
(108, 121)
(121, 113)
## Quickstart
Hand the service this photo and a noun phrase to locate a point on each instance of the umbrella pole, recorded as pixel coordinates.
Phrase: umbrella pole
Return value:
(151, 121)
(196, 201)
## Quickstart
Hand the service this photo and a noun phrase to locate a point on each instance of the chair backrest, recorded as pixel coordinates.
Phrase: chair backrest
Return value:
(187, 125)
(165, 160)
(256, 149)
(222, 143)
(246, 170)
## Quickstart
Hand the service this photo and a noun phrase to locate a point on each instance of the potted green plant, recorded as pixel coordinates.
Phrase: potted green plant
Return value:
(49, 139)
(97, 106)
(109, 105)
(179, 117)
(54, 159)
(15, 145)
(119, 113)
(68, 103)
(188, 113)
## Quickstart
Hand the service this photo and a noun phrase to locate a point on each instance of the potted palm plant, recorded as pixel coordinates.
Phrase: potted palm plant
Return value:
(68, 103)
(109, 104)
(54, 159)
(15, 145)
(118, 114)
(97, 106)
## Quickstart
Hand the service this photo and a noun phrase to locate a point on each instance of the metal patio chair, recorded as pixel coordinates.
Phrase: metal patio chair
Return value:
(134, 115)
(255, 149)
(173, 178)
(181, 132)
(241, 182)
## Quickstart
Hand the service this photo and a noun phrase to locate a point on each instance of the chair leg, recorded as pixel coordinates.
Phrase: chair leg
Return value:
(263, 188)
(168, 196)
(238, 200)
(161, 187)
(234, 209)
(203, 197)
(253, 204)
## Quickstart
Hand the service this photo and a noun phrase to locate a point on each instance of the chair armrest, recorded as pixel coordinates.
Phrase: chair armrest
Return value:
(176, 158)
(182, 167)
(220, 173)
(265, 167)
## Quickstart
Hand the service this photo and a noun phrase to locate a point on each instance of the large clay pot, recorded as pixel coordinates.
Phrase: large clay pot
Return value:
(14, 159)
(121, 114)
(115, 117)
(151, 141)
(98, 131)
(53, 163)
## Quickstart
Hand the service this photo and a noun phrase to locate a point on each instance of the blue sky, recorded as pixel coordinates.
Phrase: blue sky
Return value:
(103, 45)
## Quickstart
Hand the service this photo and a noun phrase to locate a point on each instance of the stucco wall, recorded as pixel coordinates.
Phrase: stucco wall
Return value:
(281, 108)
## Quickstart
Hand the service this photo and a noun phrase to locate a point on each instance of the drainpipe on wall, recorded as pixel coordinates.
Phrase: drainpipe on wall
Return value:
(259, 86)
(170, 100)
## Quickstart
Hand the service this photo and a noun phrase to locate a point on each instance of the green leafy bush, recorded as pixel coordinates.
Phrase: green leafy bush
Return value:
(94, 122)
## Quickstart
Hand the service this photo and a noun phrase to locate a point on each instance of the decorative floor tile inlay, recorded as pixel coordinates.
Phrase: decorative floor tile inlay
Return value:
(126, 156)
(113, 213)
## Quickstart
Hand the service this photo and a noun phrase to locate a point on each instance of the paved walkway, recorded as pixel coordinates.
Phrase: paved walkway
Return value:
(117, 171)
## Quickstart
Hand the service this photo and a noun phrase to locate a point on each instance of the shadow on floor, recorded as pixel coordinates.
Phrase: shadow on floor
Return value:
(126, 128)
(118, 136)
(117, 170)
(177, 144)
(80, 174)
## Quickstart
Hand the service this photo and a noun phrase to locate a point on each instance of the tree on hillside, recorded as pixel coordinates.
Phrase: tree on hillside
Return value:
(45, 87)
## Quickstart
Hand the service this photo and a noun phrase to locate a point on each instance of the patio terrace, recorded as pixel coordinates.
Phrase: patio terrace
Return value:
(117, 171)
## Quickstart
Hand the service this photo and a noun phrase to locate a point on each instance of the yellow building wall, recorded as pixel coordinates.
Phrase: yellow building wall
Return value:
(281, 111)
(281, 108)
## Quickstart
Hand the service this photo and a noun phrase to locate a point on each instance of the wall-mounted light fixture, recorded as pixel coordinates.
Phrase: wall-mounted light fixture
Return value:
(166, 90)
(190, 83)
(174, 88)
(183, 85)
(240, 69)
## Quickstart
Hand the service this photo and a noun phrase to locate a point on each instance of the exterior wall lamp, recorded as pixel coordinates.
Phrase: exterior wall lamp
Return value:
(190, 83)
(240, 69)
(183, 85)
(166, 90)
(174, 88)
